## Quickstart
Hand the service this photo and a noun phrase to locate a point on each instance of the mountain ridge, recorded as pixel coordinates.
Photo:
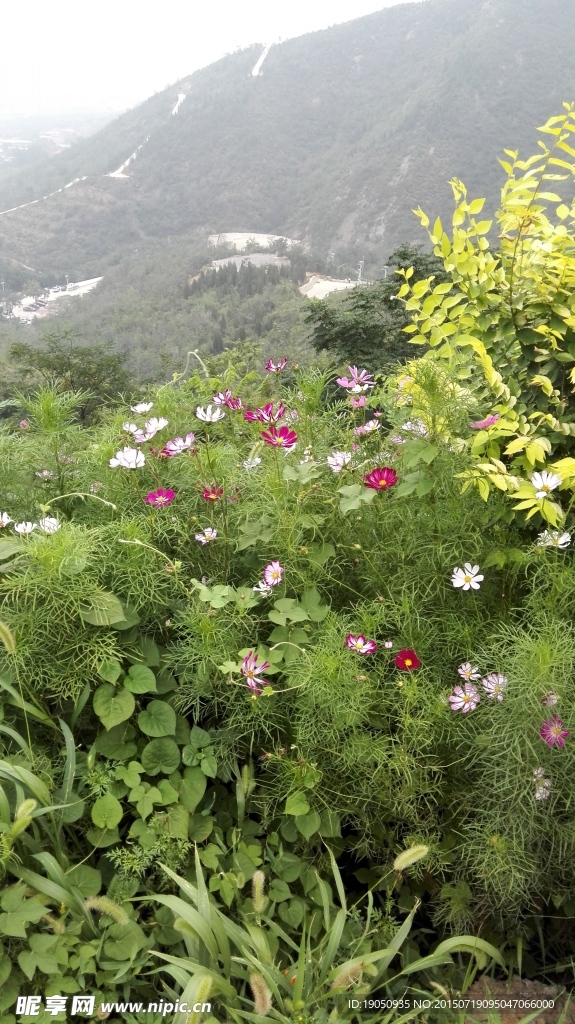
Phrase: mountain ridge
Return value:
(341, 134)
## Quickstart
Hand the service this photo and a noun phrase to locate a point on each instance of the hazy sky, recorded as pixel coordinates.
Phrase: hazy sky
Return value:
(111, 54)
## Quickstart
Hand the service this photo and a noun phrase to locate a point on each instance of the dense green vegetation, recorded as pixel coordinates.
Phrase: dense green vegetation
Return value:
(335, 142)
(287, 657)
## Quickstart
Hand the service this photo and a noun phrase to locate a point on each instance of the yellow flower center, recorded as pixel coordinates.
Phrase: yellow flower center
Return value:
(467, 579)
(408, 662)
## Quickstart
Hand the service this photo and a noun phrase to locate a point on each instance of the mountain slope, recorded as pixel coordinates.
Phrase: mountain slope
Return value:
(341, 134)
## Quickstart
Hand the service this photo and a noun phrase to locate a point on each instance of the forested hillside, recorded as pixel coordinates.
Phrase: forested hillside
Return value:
(339, 137)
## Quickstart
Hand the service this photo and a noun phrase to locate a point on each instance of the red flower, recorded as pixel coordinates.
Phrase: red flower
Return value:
(380, 479)
(212, 493)
(282, 438)
(407, 660)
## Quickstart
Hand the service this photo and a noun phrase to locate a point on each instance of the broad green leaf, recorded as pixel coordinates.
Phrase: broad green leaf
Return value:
(200, 827)
(107, 811)
(110, 670)
(140, 679)
(192, 788)
(161, 755)
(102, 609)
(308, 823)
(158, 719)
(113, 706)
(296, 804)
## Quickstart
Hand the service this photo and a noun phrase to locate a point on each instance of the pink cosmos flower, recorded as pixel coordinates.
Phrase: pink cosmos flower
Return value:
(251, 669)
(468, 671)
(337, 460)
(465, 698)
(487, 422)
(360, 644)
(550, 699)
(273, 574)
(267, 414)
(226, 398)
(178, 445)
(367, 428)
(380, 479)
(282, 438)
(552, 732)
(359, 380)
(160, 498)
(24, 425)
(272, 367)
(494, 684)
(212, 493)
(357, 403)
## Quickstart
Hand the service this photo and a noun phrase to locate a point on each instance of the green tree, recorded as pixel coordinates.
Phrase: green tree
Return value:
(96, 370)
(368, 328)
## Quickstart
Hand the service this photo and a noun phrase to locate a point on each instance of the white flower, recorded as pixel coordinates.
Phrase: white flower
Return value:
(554, 539)
(337, 460)
(130, 428)
(209, 414)
(24, 528)
(156, 423)
(142, 407)
(544, 483)
(251, 463)
(45, 474)
(5, 519)
(262, 588)
(208, 534)
(467, 577)
(128, 458)
(468, 671)
(416, 427)
(49, 524)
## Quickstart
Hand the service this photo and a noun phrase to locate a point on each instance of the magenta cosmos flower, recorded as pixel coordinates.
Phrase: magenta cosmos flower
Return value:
(357, 403)
(251, 669)
(273, 574)
(272, 367)
(380, 479)
(226, 398)
(212, 493)
(178, 445)
(359, 380)
(367, 428)
(267, 414)
(360, 644)
(553, 733)
(160, 498)
(464, 698)
(282, 438)
(487, 422)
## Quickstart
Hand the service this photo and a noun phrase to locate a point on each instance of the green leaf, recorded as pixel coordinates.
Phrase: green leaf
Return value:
(200, 827)
(140, 679)
(158, 719)
(161, 755)
(110, 670)
(209, 765)
(192, 788)
(116, 744)
(107, 811)
(288, 866)
(177, 820)
(145, 804)
(308, 823)
(101, 838)
(296, 804)
(279, 891)
(111, 706)
(292, 913)
(102, 609)
(86, 879)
